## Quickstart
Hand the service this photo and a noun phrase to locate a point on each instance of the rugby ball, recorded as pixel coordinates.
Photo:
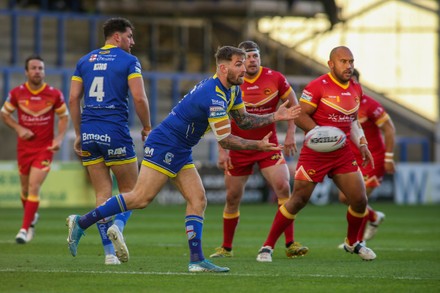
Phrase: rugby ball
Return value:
(325, 139)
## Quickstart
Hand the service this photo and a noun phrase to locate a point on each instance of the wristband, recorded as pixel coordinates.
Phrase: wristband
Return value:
(363, 144)
(389, 161)
(389, 154)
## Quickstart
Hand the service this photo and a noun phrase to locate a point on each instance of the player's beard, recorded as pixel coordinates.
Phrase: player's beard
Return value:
(234, 80)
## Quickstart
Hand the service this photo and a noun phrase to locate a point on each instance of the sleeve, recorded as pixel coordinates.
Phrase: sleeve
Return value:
(311, 94)
(135, 69)
(60, 104)
(10, 104)
(284, 87)
(376, 112)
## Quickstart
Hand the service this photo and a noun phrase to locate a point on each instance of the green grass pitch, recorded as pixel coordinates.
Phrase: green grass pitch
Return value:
(407, 248)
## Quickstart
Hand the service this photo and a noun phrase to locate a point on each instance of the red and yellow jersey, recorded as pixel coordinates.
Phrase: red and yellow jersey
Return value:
(372, 115)
(261, 95)
(336, 104)
(36, 111)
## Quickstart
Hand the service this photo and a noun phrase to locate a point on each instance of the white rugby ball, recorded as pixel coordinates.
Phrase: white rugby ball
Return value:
(325, 139)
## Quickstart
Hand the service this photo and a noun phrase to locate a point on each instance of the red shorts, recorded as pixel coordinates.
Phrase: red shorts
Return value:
(243, 161)
(313, 166)
(37, 158)
(373, 177)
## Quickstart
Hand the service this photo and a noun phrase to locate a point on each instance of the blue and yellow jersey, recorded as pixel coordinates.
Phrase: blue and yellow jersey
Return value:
(208, 101)
(105, 73)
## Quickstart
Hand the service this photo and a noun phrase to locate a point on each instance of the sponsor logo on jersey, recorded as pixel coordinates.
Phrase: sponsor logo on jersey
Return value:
(346, 94)
(33, 98)
(104, 52)
(216, 111)
(219, 103)
(306, 96)
(254, 87)
(311, 172)
(100, 66)
(148, 152)
(168, 158)
(93, 57)
(340, 118)
(118, 152)
(96, 137)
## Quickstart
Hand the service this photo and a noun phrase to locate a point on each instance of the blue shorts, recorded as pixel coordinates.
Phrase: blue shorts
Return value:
(165, 156)
(106, 142)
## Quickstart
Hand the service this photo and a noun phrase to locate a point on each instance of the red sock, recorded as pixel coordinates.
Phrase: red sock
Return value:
(355, 221)
(279, 225)
(371, 214)
(30, 209)
(230, 223)
(362, 229)
(288, 233)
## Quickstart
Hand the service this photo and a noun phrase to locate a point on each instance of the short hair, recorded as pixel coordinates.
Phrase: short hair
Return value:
(356, 74)
(116, 24)
(249, 46)
(226, 53)
(31, 57)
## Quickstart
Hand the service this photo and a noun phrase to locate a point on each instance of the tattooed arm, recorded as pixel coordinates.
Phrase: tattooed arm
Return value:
(246, 120)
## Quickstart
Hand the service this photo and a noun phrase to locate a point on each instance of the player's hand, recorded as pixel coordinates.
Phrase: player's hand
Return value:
(284, 113)
(390, 167)
(266, 146)
(77, 146)
(56, 145)
(25, 133)
(145, 132)
(367, 158)
(224, 161)
(290, 146)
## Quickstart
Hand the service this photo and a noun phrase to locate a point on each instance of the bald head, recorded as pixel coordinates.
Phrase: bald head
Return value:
(341, 64)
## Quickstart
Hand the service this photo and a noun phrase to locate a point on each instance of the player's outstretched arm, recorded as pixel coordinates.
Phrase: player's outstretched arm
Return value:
(246, 120)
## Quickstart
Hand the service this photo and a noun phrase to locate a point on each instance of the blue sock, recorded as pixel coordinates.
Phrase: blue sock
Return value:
(112, 206)
(103, 226)
(121, 220)
(194, 228)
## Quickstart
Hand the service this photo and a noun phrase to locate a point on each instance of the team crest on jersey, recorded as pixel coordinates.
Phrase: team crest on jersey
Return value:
(168, 158)
(216, 111)
(354, 163)
(93, 57)
(267, 91)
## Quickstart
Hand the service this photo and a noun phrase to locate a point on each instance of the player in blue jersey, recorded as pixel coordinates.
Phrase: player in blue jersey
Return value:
(104, 77)
(168, 152)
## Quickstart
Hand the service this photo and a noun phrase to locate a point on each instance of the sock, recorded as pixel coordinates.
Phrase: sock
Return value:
(371, 215)
(282, 220)
(114, 205)
(364, 225)
(103, 226)
(121, 220)
(355, 221)
(288, 233)
(230, 222)
(30, 208)
(194, 228)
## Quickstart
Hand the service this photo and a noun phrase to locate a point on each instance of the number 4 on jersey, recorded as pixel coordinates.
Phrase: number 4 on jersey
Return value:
(97, 89)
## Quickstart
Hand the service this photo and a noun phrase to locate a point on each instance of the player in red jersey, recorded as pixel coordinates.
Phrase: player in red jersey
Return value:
(263, 89)
(332, 99)
(36, 103)
(374, 121)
